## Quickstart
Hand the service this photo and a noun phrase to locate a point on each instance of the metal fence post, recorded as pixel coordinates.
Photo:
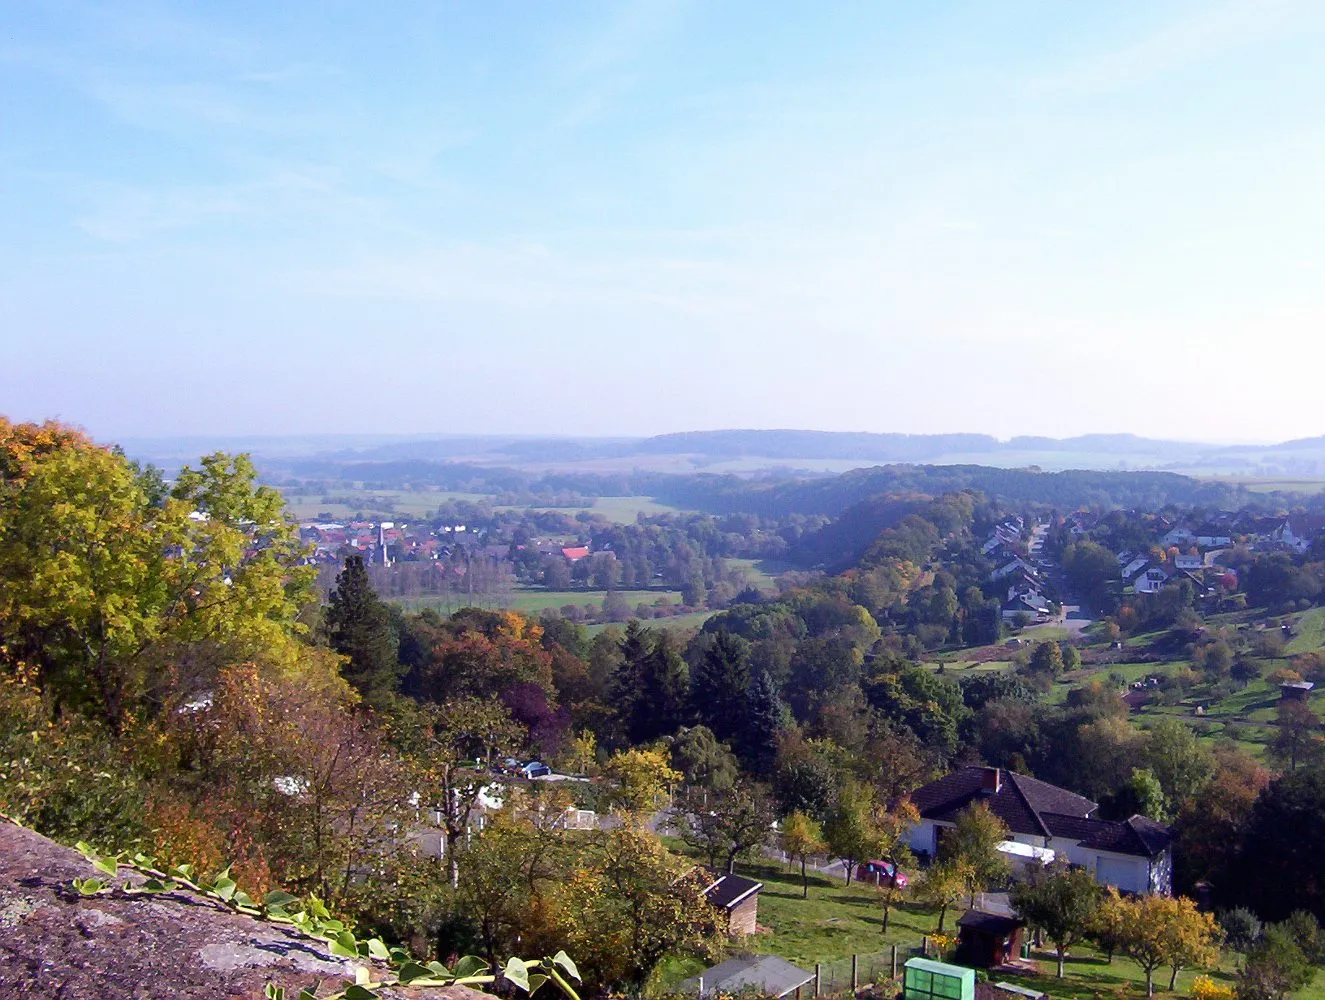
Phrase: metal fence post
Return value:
(894, 972)
(855, 973)
(818, 972)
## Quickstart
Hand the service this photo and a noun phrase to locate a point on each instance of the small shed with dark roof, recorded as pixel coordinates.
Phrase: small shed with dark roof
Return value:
(988, 940)
(1295, 691)
(738, 899)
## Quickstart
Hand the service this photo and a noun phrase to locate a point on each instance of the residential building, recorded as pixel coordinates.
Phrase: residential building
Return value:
(1133, 855)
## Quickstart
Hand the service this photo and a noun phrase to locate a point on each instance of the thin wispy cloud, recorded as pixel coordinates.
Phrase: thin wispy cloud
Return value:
(890, 213)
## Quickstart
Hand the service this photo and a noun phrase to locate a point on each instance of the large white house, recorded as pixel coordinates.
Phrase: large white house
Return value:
(1133, 855)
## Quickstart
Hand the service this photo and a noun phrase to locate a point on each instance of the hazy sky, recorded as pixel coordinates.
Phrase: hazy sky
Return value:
(257, 217)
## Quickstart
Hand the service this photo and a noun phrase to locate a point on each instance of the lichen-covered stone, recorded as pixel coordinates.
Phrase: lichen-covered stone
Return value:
(55, 943)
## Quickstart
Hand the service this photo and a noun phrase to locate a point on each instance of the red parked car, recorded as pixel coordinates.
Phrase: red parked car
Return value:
(880, 872)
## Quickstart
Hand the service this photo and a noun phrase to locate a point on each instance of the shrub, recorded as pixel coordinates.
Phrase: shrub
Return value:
(1205, 988)
(1241, 928)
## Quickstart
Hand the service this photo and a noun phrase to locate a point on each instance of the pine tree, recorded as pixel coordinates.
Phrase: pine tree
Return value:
(359, 625)
(719, 682)
(763, 722)
(664, 691)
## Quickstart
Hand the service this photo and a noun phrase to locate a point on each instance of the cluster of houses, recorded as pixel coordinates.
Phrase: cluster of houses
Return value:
(387, 542)
(382, 542)
(1020, 569)
(1191, 551)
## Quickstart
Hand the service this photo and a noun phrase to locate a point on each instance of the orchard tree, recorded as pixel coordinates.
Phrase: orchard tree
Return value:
(801, 837)
(1193, 939)
(1061, 901)
(851, 831)
(1161, 930)
(943, 884)
(732, 825)
(973, 842)
(1047, 659)
(1108, 924)
(894, 825)
(1298, 738)
(453, 746)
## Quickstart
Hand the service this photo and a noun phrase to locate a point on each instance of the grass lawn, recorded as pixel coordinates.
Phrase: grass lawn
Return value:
(1310, 629)
(958, 668)
(1044, 633)
(838, 921)
(1089, 976)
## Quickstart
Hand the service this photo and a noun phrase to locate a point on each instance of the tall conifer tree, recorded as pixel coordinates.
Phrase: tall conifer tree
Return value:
(359, 625)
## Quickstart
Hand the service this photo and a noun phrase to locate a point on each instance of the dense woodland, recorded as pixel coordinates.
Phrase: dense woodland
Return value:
(171, 680)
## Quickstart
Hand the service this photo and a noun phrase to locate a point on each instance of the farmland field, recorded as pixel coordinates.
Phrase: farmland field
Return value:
(384, 503)
(534, 601)
(1271, 484)
(674, 623)
(760, 572)
(620, 510)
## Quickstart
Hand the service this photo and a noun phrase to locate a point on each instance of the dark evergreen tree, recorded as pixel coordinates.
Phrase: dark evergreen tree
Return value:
(651, 688)
(719, 681)
(1278, 847)
(359, 626)
(664, 691)
(764, 714)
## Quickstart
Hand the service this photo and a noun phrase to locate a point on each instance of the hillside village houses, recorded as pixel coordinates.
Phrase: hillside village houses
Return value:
(1193, 551)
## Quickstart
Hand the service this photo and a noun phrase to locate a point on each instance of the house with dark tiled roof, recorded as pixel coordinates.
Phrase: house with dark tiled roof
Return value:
(1133, 855)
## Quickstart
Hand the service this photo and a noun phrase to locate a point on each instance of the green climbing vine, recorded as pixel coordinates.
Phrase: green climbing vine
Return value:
(311, 917)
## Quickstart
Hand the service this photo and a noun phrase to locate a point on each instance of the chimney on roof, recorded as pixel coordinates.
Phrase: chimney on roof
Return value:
(992, 781)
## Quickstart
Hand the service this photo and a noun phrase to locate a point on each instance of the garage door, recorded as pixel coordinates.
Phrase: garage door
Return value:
(1118, 872)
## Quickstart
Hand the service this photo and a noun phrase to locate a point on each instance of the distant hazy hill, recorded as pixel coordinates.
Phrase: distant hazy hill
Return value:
(747, 451)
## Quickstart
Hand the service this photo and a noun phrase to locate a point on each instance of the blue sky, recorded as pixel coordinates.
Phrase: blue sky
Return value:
(582, 218)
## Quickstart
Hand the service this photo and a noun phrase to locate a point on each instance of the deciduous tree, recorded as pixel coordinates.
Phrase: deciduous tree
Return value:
(974, 841)
(801, 837)
(1061, 901)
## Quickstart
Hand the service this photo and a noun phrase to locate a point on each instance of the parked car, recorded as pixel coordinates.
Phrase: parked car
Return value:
(880, 872)
(535, 769)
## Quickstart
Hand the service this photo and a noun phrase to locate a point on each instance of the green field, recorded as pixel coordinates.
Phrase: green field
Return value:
(400, 503)
(1285, 484)
(1310, 629)
(534, 601)
(674, 623)
(620, 510)
(760, 572)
